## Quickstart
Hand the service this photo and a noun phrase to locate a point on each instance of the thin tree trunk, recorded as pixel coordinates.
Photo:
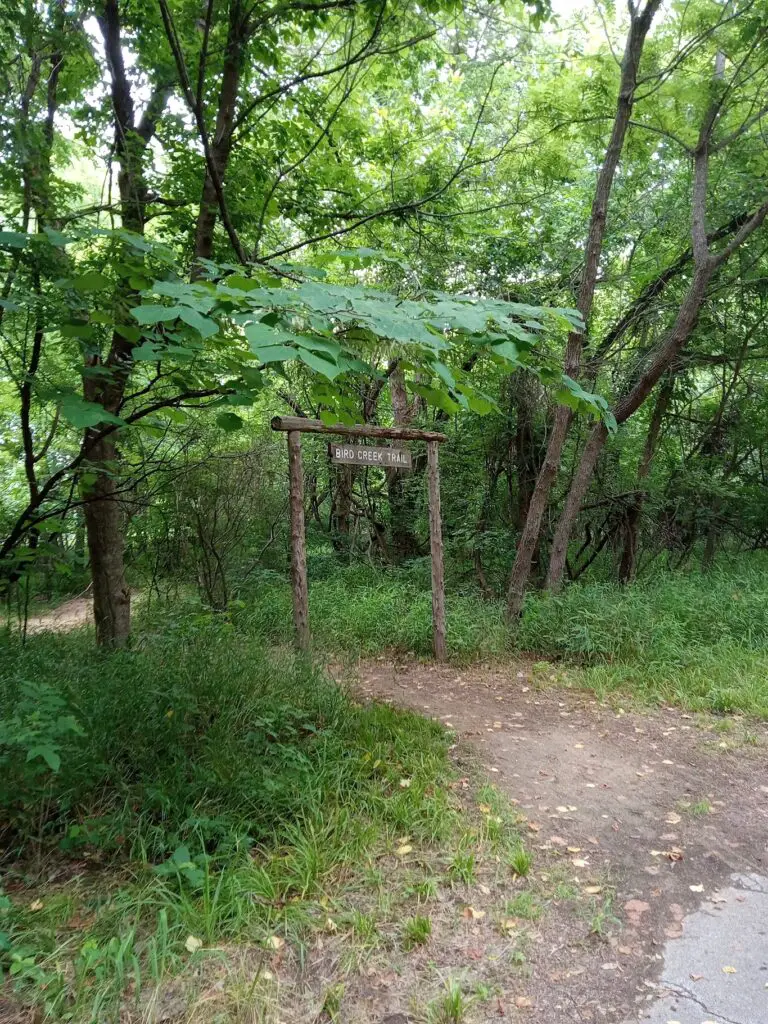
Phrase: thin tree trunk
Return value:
(103, 510)
(104, 527)
(628, 564)
(400, 491)
(221, 143)
(529, 538)
(686, 321)
(705, 264)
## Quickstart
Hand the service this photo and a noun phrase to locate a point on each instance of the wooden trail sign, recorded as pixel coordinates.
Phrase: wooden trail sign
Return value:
(364, 455)
(295, 426)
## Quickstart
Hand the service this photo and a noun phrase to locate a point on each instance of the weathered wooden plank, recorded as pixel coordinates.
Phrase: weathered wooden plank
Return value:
(436, 547)
(298, 543)
(369, 455)
(307, 426)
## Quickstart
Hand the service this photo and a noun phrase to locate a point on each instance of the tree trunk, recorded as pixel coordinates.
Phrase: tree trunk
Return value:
(104, 526)
(626, 407)
(628, 564)
(529, 539)
(400, 492)
(341, 508)
(221, 143)
(103, 512)
(705, 264)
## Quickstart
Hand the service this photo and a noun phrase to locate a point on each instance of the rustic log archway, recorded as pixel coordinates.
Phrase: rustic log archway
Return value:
(294, 427)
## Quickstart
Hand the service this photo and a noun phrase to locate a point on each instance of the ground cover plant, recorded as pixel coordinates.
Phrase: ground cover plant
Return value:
(228, 790)
(696, 640)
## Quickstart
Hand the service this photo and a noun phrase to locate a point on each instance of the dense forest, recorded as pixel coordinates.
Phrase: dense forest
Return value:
(537, 229)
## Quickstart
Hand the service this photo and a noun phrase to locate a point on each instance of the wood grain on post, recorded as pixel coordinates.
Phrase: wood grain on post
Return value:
(307, 426)
(298, 543)
(436, 547)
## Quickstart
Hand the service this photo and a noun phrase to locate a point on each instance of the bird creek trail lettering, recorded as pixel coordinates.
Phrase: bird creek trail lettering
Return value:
(369, 455)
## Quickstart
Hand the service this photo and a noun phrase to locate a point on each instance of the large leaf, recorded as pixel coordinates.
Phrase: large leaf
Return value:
(82, 414)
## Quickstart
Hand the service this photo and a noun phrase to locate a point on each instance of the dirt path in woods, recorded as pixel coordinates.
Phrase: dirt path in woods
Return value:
(72, 614)
(663, 806)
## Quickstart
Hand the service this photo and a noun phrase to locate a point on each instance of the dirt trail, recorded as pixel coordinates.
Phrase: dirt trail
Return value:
(662, 804)
(72, 614)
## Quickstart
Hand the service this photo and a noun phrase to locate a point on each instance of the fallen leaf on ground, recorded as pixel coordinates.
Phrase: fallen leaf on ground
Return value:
(673, 818)
(729, 970)
(472, 914)
(401, 851)
(275, 942)
(405, 783)
(523, 1002)
(593, 890)
(634, 910)
(193, 944)
(36, 905)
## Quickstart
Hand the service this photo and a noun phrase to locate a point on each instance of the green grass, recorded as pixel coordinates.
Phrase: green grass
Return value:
(698, 641)
(205, 793)
(416, 931)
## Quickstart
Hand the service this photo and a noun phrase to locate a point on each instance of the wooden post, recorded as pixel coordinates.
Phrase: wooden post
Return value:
(298, 542)
(295, 426)
(436, 547)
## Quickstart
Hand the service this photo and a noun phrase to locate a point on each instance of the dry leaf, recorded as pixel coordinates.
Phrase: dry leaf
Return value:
(696, 888)
(405, 783)
(403, 850)
(193, 944)
(523, 1002)
(578, 862)
(275, 942)
(574, 849)
(36, 905)
(729, 970)
(593, 890)
(534, 827)
(485, 808)
(673, 818)
(471, 914)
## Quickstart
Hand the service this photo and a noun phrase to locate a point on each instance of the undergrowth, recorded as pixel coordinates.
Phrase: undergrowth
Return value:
(188, 793)
(697, 640)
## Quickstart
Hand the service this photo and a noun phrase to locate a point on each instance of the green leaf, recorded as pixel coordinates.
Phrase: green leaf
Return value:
(204, 326)
(322, 366)
(77, 330)
(82, 414)
(154, 314)
(274, 353)
(91, 282)
(229, 421)
(129, 332)
(148, 352)
(48, 754)
(13, 239)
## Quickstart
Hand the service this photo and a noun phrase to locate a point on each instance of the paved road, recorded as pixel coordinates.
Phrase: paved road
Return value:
(717, 972)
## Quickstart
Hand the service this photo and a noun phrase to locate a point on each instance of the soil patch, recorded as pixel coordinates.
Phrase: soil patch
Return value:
(658, 808)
